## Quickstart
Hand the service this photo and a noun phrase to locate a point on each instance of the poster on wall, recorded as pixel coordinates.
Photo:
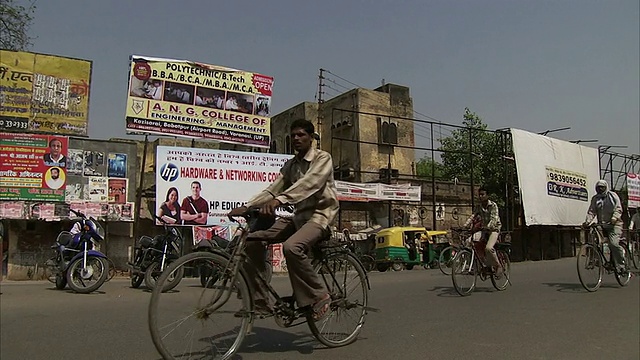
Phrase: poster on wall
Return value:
(200, 186)
(93, 163)
(97, 189)
(633, 188)
(75, 162)
(117, 166)
(74, 192)
(195, 100)
(12, 210)
(32, 167)
(118, 191)
(44, 93)
(556, 184)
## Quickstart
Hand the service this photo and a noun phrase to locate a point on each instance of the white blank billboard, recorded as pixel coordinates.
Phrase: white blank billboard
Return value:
(556, 178)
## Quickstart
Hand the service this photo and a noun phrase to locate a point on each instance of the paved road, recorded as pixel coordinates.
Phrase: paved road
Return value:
(545, 315)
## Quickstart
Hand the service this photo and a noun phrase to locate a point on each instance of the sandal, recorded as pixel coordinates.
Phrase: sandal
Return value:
(321, 308)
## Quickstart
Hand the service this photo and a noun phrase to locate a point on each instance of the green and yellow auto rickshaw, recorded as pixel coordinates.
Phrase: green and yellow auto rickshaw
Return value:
(398, 248)
(405, 247)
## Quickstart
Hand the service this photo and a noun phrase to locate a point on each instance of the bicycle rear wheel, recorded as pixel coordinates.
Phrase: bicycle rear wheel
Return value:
(346, 281)
(200, 322)
(634, 248)
(501, 282)
(623, 277)
(446, 259)
(590, 267)
(464, 273)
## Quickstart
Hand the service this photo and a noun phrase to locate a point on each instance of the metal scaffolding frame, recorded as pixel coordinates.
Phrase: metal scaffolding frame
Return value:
(502, 148)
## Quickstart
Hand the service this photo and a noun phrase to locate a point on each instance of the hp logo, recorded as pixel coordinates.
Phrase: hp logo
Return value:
(169, 172)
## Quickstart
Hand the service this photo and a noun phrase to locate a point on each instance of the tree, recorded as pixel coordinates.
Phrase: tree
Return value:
(424, 167)
(474, 151)
(15, 21)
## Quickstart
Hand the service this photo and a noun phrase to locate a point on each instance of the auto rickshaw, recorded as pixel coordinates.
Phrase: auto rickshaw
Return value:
(405, 247)
(397, 248)
(431, 243)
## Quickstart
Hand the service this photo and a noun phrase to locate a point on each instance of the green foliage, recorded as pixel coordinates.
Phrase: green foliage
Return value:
(15, 21)
(424, 167)
(486, 148)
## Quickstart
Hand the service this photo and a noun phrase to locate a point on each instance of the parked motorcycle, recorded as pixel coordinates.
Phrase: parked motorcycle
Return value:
(76, 262)
(153, 255)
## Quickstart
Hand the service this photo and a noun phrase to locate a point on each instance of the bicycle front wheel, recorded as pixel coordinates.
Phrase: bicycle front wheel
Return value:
(200, 322)
(501, 281)
(464, 273)
(346, 281)
(446, 259)
(590, 267)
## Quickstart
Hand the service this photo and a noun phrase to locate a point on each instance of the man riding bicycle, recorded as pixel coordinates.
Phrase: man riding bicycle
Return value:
(305, 181)
(607, 209)
(486, 213)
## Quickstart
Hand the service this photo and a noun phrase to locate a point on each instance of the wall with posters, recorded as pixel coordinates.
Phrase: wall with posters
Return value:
(44, 93)
(102, 177)
(189, 99)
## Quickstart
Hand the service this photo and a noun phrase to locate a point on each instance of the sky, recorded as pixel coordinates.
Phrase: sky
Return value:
(533, 65)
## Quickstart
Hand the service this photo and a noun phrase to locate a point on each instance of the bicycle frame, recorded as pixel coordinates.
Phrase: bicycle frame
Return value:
(238, 257)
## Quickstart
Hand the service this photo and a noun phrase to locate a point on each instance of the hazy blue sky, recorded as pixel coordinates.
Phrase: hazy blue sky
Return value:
(533, 65)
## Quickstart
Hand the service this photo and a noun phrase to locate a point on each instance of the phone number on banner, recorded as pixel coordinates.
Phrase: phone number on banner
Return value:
(567, 179)
(567, 191)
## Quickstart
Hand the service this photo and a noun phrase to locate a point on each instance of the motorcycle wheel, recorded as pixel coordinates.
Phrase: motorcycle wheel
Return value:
(136, 281)
(152, 275)
(77, 283)
(61, 282)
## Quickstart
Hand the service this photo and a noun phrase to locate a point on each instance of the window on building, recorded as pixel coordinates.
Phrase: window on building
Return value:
(272, 147)
(388, 132)
(287, 145)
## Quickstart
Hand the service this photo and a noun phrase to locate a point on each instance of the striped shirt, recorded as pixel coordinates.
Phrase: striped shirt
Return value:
(307, 183)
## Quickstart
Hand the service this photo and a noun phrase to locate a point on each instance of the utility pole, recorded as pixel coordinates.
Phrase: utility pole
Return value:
(320, 102)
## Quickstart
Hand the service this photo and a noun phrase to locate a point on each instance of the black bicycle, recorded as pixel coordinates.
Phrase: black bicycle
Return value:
(592, 261)
(215, 326)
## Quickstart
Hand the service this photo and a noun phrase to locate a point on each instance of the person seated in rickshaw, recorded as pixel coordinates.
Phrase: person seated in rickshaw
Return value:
(410, 244)
(485, 225)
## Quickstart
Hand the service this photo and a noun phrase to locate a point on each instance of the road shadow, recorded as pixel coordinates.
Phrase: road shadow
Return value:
(450, 291)
(576, 287)
(69, 291)
(266, 340)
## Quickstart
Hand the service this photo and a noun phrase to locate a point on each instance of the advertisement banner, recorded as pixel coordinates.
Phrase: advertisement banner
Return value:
(44, 93)
(195, 100)
(400, 192)
(200, 186)
(348, 191)
(356, 192)
(32, 167)
(633, 187)
(557, 183)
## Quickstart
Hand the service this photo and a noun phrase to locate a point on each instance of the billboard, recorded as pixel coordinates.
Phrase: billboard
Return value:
(195, 100)
(44, 93)
(556, 181)
(200, 186)
(33, 167)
